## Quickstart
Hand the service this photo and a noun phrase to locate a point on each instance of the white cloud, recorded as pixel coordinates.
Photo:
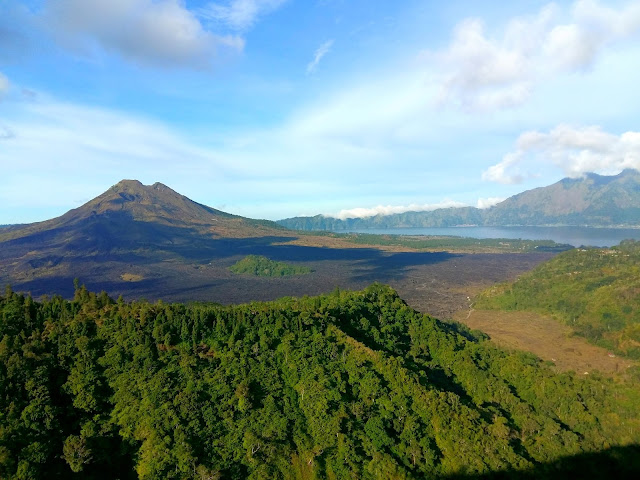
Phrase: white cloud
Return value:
(318, 55)
(575, 150)
(161, 32)
(392, 209)
(571, 48)
(4, 84)
(504, 172)
(610, 22)
(364, 212)
(239, 14)
(489, 202)
(483, 72)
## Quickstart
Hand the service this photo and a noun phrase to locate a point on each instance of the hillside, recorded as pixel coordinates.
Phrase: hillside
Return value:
(594, 291)
(594, 200)
(149, 213)
(351, 384)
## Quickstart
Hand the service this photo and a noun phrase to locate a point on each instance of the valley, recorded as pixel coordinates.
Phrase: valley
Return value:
(355, 363)
(433, 282)
(151, 242)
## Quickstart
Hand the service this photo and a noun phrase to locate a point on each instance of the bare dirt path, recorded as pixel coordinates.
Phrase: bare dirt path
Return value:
(544, 337)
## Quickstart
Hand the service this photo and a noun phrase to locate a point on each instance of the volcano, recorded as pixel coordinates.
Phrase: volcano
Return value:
(131, 233)
(148, 241)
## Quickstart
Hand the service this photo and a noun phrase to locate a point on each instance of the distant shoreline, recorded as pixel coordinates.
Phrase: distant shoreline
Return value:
(573, 235)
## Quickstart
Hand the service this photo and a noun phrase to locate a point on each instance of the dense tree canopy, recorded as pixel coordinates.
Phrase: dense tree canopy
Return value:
(264, 267)
(347, 385)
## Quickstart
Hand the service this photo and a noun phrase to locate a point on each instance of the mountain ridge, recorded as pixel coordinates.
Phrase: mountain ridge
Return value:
(157, 203)
(592, 200)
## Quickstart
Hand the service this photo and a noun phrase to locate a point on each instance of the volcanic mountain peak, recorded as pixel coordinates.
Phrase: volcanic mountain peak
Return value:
(136, 188)
(125, 183)
(147, 203)
(129, 205)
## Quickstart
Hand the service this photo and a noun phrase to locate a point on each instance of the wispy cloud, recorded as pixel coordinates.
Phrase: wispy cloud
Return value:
(576, 150)
(483, 72)
(5, 132)
(363, 212)
(55, 140)
(475, 73)
(239, 14)
(505, 172)
(4, 84)
(318, 55)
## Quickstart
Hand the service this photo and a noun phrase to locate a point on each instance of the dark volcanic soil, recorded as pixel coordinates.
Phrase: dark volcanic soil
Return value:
(436, 283)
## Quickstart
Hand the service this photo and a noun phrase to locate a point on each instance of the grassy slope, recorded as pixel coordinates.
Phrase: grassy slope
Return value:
(594, 291)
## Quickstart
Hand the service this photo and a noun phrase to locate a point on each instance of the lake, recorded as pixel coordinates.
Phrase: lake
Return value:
(576, 236)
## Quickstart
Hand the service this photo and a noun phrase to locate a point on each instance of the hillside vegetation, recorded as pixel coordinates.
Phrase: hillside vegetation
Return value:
(594, 291)
(261, 266)
(347, 385)
(456, 244)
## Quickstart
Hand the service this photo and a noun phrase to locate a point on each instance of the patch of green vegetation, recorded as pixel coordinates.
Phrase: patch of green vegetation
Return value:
(506, 245)
(594, 291)
(264, 267)
(346, 385)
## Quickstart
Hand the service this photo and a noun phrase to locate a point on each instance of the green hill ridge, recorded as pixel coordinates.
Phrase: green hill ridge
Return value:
(350, 384)
(594, 291)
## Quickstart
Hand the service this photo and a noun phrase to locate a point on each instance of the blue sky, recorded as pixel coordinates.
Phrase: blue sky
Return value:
(276, 108)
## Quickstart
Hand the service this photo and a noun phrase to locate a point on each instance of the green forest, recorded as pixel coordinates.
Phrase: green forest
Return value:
(595, 291)
(261, 266)
(346, 385)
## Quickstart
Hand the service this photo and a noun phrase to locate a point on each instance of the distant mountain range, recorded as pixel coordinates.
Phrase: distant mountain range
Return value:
(593, 200)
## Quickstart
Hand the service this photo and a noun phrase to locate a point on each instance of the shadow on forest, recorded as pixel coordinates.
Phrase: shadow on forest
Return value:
(614, 463)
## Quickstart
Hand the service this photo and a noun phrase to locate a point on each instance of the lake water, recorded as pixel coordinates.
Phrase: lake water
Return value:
(576, 236)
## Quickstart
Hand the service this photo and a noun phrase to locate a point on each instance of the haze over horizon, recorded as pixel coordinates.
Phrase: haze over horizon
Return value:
(278, 108)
